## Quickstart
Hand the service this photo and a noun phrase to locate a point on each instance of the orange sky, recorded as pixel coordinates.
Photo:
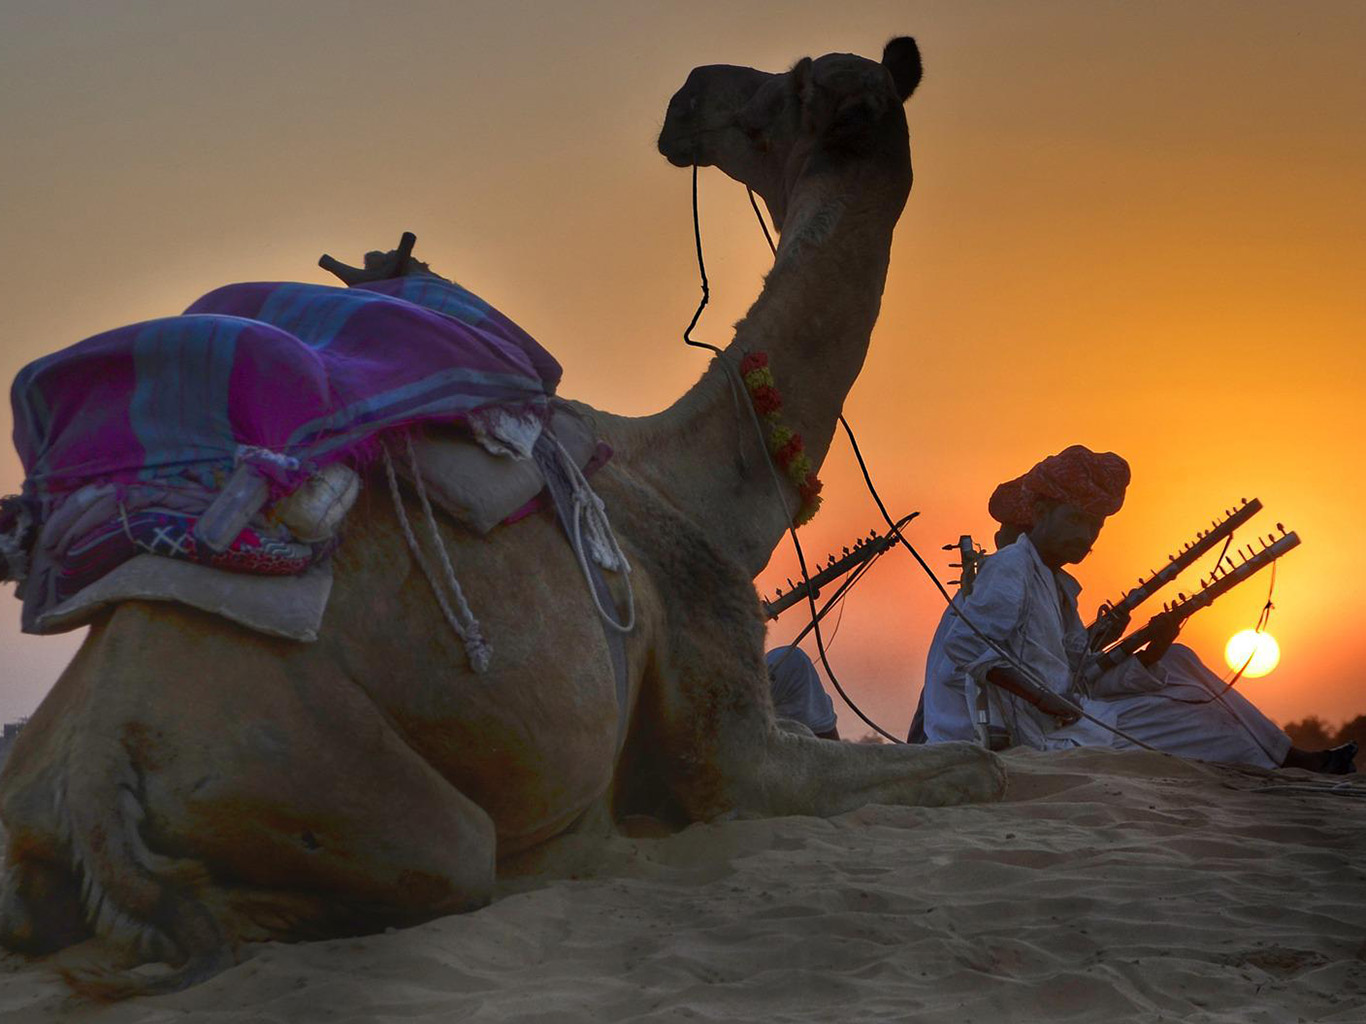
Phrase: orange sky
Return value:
(1134, 226)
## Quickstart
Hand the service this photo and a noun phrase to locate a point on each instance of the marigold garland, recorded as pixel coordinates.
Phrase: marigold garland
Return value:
(785, 446)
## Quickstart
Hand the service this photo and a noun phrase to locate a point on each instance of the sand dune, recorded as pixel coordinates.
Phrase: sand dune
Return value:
(1109, 887)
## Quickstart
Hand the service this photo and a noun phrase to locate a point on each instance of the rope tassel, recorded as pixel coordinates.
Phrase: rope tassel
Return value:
(601, 542)
(460, 619)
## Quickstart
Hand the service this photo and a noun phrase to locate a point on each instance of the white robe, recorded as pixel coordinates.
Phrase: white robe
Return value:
(1031, 611)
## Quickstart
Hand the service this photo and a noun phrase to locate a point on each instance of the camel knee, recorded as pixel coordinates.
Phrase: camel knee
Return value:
(448, 877)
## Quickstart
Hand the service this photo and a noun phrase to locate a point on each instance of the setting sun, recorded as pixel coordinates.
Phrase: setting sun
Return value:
(1258, 651)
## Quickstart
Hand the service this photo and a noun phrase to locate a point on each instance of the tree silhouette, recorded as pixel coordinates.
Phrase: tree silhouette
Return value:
(1313, 733)
(1353, 730)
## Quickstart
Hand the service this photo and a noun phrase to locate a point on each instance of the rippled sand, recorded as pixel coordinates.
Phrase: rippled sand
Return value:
(1108, 887)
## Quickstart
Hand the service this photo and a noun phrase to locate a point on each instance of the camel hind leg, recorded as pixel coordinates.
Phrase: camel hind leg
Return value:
(263, 796)
(723, 749)
(407, 849)
(65, 884)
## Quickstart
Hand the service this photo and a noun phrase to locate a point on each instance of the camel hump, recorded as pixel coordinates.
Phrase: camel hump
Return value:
(901, 57)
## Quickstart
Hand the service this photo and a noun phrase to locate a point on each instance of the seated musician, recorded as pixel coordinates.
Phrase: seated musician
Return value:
(797, 692)
(1162, 695)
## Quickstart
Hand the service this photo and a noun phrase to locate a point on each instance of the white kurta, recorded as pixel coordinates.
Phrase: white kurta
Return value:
(1031, 611)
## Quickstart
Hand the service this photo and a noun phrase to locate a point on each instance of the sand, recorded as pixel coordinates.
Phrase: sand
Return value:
(1108, 887)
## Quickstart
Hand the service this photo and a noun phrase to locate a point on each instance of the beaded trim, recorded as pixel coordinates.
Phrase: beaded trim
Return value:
(785, 446)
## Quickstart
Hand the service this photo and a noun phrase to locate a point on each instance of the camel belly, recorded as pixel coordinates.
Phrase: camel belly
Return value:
(532, 740)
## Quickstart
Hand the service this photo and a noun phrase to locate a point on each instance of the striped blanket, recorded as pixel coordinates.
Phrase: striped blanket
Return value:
(126, 438)
(296, 375)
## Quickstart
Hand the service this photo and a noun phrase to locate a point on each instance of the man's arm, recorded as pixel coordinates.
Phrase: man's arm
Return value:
(1012, 681)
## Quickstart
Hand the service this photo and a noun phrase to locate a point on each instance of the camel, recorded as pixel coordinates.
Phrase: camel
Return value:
(189, 786)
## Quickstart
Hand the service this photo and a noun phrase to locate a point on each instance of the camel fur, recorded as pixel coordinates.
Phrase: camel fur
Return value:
(189, 786)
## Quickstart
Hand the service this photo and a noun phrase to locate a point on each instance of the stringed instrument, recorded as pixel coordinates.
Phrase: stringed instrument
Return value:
(970, 561)
(1223, 578)
(864, 549)
(1111, 618)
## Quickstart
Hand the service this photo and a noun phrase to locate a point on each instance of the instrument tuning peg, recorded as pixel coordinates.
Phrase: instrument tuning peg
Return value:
(1244, 501)
(1281, 527)
(790, 584)
(954, 583)
(1181, 595)
(846, 551)
(948, 547)
(777, 593)
(1204, 584)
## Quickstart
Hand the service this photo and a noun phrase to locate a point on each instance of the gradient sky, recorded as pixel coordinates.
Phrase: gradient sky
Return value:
(1134, 226)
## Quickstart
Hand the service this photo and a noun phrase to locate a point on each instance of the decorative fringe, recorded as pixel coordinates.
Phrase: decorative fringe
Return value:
(785, 446)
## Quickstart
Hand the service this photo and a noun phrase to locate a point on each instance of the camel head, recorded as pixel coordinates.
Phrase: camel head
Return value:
(768, 130)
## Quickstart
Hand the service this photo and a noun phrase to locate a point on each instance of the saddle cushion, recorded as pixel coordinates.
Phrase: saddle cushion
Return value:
(285, 606)
(480, 489)
(268, 390)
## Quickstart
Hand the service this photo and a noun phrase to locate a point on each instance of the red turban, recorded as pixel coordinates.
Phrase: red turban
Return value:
(1094, 482)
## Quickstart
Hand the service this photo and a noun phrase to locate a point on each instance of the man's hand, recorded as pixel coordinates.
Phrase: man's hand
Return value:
(1061, 709)
(1109, 626)
(1165, 628)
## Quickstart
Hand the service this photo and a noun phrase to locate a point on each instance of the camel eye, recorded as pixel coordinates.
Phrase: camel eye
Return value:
(750, 126)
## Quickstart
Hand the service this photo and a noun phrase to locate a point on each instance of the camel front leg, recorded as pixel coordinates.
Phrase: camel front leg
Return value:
(726, 753)
(804, 775)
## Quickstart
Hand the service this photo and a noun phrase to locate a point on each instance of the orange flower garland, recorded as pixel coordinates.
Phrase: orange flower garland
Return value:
(785, 446)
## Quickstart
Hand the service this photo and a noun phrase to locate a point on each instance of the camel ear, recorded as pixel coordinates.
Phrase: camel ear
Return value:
(902, 58)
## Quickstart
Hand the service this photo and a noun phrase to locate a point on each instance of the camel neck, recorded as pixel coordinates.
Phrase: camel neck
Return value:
(813, 320)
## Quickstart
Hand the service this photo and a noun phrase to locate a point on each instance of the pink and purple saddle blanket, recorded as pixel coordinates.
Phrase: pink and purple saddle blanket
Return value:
(146, 423)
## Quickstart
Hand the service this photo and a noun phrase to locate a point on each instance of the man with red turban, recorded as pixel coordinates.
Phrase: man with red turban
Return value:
(1005, 653)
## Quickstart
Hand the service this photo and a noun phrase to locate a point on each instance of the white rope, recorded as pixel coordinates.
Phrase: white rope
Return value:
(264, 456)
(606, 551)
(463, 623)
